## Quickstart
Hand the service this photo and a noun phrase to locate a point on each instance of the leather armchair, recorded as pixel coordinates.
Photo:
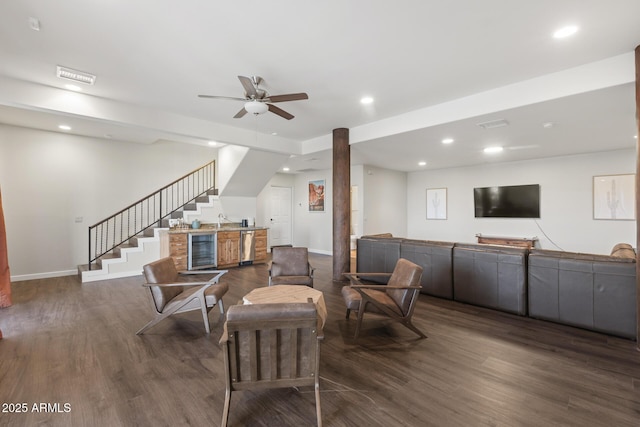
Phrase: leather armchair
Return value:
(271, 346)
(290, 266)
(396, 300)
(172, 295)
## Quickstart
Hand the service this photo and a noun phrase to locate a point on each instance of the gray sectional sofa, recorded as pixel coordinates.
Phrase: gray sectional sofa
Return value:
(381, 253)
(491, 276)
(589, 291)
(596, 292)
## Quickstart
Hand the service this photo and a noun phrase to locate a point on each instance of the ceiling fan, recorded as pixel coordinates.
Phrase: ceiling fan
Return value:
(258, 101)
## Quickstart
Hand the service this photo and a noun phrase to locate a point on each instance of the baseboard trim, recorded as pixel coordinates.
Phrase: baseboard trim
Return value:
(48, 275)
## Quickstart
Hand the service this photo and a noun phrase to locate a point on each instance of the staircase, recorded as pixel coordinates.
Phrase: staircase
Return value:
(122, 244)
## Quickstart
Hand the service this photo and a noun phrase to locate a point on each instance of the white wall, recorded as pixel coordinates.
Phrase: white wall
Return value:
(50, 179)
(313, 230)
(235, 209)
(566, 202)
(357, 204)
(383, 191)
(385, 201)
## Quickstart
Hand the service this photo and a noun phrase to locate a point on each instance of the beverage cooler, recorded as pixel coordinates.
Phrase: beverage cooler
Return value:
(202, 251)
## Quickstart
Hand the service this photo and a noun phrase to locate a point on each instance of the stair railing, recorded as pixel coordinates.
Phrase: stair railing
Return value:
(112, 232)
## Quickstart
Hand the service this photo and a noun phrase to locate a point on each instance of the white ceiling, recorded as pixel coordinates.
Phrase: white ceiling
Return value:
(434, 68)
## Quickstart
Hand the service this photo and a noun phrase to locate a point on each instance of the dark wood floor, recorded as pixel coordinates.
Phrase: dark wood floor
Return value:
(75, 344)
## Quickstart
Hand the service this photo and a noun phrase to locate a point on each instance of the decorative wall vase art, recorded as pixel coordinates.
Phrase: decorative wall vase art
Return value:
(316, 195)
(614, 197)
(436, 203)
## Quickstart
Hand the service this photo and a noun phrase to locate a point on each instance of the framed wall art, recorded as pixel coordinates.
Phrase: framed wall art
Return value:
(436, 203)
(316, 195)
(614, 197)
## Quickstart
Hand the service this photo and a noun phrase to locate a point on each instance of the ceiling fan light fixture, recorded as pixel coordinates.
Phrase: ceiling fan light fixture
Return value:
(255, 107)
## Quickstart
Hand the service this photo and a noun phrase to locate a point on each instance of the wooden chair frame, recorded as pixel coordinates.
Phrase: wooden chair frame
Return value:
(192, 298)
(368, 298)
(253, 357)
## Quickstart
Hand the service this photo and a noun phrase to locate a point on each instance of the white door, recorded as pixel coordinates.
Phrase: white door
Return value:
(280, 228)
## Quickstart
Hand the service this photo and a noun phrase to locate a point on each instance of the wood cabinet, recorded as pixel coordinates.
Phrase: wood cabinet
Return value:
(228, 248)
(175, 246)
(261, 246)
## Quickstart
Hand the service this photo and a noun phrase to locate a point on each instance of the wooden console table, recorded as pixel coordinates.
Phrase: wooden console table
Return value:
(517, 242)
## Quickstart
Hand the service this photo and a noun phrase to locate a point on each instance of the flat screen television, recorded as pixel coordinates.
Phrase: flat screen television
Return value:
(513, 201)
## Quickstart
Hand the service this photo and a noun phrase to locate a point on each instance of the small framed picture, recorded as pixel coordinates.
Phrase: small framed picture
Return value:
(614, 197)
(436, 203)
(316, 195)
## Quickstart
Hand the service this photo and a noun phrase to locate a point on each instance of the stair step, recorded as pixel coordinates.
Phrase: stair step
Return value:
(85, 267)
(202, 199)
(105, 257)
(118, 250)
(190, 207)
(149, 232)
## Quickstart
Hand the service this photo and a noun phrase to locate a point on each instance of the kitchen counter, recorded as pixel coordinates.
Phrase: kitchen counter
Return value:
(208, 228)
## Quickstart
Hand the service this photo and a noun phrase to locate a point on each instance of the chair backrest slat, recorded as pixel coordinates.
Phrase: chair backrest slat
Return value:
(271, 345)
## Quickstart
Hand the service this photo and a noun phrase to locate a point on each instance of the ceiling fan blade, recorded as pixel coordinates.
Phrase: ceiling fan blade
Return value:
(288, 97)
(279, 111)
(249, 88)
(240, 113)
(222, 97)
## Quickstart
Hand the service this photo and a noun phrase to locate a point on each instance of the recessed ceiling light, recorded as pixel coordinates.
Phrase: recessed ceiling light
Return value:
(274, 133)
(64, 127)
(447, 140)
(366, 100)
(548, 125)
(213, 143)
(423, 163)
(286, 169)
(74, 88)
(564, 32)
(490, 150)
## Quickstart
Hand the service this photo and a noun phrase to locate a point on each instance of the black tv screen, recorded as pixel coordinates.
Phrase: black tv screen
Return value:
(513, 201)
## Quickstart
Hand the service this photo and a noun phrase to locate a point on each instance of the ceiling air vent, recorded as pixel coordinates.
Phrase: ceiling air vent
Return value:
(492, 124)
(75, 75)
